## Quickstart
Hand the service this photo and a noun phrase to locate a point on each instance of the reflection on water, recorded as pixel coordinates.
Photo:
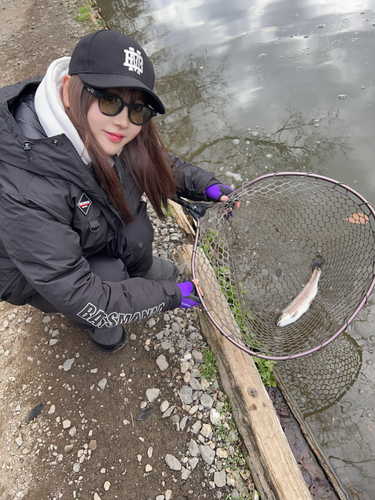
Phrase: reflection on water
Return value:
(258, 87)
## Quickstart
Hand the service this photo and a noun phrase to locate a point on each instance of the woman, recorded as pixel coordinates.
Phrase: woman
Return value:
(78, 148)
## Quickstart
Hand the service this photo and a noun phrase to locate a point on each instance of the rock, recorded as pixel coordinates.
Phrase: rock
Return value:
(193, 448)
(168, 495)
(221, 453)
(93, 444)
(196, 427)
(172, 462)
(186, 394)
(184, 367)
(185, 474)
(207, 453)
(207, 400)
(169, 412)
(206, 430)
(148, 468)
(151, 322)
(183, 422)
(164, 406)
(193, 409)
(53, 342)
(68, 448)
(195, 384)
(66, 424)
(198, 356)
(162, 362)
(76, 467)
(72, 431)
(97, 497)
(52, 410)
(68, 364)
(106, 485)
(215, 417)
(19, 441)
(220, 478)
(152, 394)
(175, 327)
(144, 414)
(193, 462)
(102, 383)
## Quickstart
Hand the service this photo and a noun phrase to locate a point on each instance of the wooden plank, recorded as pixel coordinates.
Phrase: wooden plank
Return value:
(271, 462)
(181, 219)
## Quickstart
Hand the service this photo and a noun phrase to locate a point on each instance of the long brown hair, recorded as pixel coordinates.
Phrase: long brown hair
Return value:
(145, 155)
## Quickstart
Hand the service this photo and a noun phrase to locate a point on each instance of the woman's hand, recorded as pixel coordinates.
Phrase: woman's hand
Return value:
(189, 292)
(218, 192)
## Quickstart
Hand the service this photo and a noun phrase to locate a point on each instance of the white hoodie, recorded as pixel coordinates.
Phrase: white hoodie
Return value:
(50, 109)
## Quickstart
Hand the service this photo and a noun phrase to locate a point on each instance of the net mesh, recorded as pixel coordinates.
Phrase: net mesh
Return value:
(318, 381)
(259, 259)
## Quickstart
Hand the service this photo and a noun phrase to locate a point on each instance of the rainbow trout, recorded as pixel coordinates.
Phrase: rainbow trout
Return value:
(303, 301)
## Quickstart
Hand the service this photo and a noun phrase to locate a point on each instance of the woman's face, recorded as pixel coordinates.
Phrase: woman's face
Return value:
(111, 132)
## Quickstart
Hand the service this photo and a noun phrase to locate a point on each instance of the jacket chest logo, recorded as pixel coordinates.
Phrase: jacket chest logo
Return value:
(84, 204)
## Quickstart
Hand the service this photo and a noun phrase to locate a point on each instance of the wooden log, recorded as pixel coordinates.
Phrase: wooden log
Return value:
(181, 219)
(274, 469)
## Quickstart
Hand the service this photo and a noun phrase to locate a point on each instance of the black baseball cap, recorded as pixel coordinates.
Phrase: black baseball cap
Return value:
(108, 59)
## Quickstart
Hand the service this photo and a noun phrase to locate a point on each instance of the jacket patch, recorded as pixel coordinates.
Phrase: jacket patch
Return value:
(84, 204)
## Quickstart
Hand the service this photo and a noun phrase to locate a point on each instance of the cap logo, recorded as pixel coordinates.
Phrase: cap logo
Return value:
(133, 60)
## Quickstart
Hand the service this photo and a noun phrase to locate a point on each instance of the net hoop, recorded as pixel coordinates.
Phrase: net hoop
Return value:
(236, 196)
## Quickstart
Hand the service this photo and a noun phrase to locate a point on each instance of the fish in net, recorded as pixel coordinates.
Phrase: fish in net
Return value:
(253, 260)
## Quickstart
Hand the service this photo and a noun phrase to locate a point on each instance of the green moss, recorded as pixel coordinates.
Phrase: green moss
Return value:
(213, 249)
(209, 367)
(83, 14)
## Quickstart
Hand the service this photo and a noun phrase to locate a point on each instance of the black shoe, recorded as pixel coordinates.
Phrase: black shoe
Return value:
(113, 347)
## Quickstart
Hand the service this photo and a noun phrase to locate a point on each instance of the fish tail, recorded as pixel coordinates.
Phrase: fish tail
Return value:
(318, 263)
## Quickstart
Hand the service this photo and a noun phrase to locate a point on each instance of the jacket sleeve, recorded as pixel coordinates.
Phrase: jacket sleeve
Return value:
(192, 180)
(48, 254)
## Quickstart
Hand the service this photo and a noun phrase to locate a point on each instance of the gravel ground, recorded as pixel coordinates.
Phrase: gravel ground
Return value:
(76, 422)
(140, 423)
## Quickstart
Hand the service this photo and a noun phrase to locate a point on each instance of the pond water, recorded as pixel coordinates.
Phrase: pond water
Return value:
(264, 86)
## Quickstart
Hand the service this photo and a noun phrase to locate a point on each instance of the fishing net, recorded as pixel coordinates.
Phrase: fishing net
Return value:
(318, 381)
(253, 262)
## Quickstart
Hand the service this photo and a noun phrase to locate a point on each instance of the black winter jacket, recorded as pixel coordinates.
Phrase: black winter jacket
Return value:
(45, 237)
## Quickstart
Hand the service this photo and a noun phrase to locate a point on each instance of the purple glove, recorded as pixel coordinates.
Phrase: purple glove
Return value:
(189, 295)
(216, 191)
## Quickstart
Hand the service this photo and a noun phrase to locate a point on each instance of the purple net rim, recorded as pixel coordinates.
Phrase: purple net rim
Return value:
(351, 318)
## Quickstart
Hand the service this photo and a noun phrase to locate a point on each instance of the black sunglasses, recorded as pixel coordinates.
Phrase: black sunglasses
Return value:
(112, 105)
